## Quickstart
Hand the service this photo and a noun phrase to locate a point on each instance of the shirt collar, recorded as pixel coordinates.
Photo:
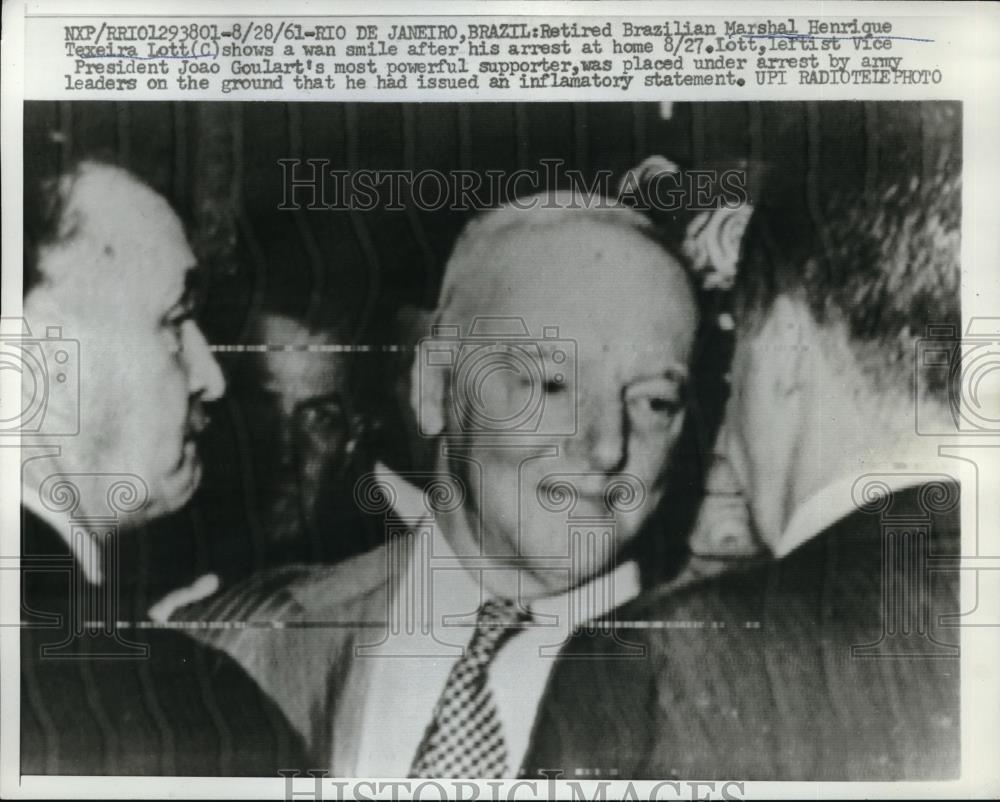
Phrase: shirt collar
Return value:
(586, 602)
(835, 501)
(595, 598)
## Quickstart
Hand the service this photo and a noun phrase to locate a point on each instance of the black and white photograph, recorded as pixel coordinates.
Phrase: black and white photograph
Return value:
(441, 440)
(522, 403)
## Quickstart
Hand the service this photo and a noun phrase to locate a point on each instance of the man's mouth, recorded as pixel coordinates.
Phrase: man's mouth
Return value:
(612, 496)
(197, 421)
(194, 427)
(190, 450)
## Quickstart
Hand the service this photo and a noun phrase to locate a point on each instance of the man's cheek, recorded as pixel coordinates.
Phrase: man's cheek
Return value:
(648, 460)
(171, 406)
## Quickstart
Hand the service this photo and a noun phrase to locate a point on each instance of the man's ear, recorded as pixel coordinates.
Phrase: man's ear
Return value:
(788, 334)
(412, 325)
(428, 387)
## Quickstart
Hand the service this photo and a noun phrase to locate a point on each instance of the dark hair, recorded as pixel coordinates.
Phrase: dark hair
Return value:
(879, 256)
(45, 199)
(46, 193)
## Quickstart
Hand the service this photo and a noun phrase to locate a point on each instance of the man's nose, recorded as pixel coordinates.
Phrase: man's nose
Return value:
(204, 374)
(604, 437)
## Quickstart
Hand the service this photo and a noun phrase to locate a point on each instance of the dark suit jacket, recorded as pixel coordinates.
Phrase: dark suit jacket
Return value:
(789, 670)
(185, 709)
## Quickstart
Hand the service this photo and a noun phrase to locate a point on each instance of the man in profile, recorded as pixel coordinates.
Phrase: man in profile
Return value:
(553, 388)
(108, 264)
(833, 660)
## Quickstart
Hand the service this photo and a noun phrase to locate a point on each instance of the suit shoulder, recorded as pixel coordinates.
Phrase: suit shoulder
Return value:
(835, 578)
(293, 592)
(76, 720)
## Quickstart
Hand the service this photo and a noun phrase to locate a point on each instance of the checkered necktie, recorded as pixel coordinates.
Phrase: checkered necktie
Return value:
(465, 737)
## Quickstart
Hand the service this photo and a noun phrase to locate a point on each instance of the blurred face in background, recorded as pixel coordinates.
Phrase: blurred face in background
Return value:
(299, 428)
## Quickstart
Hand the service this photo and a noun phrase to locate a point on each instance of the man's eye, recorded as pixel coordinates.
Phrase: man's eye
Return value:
(662, 404)
(173, 324)
(656, 404)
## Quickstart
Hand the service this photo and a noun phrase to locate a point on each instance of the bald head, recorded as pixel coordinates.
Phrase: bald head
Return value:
(597, 274)
(486, 254)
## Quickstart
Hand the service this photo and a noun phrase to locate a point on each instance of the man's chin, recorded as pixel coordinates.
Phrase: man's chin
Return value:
(540, 574)
(178, 489)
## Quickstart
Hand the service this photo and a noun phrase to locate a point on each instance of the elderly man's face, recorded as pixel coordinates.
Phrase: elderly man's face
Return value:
(609, 417)
(119, 286)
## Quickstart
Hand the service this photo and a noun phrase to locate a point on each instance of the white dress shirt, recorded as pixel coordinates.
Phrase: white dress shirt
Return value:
(402, 691)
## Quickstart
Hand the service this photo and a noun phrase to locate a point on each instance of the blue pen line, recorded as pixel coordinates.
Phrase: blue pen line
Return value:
(824, 38)
(144, 58)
